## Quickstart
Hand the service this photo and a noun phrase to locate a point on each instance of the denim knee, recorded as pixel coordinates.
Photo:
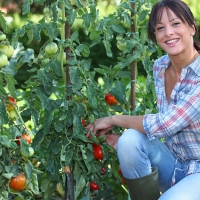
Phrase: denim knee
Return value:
(130, 139)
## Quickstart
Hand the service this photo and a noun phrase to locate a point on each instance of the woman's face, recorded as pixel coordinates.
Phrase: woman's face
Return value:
(173, 36)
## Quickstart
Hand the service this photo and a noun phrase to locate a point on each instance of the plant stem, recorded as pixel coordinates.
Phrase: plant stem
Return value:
(62, 33)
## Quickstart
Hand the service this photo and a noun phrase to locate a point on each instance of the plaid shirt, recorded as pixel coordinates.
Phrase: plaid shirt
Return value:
(179, 121)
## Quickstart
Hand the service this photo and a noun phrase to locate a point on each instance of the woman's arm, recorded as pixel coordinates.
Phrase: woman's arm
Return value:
(103, 125)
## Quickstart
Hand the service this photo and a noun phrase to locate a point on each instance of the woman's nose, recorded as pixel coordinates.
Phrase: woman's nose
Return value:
(168, 30)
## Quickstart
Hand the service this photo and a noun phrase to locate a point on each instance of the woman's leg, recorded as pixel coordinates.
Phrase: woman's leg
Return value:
(137, 154)
(186, 189)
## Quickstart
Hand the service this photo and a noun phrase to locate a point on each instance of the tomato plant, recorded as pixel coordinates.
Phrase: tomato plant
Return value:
(110, 99)
(98, 152)
(18, 182)
(94, 186)
(54, 98)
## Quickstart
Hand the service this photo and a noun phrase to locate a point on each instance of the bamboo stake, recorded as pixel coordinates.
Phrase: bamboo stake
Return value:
(133, 64)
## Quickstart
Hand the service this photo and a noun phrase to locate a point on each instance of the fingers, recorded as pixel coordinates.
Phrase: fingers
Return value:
(100, 127)
(89, 129)
(105, 131)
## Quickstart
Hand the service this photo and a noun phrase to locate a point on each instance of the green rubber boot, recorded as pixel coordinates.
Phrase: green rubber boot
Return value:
(145, 188)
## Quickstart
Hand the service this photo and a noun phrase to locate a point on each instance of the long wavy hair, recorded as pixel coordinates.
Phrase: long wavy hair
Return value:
(182, 11)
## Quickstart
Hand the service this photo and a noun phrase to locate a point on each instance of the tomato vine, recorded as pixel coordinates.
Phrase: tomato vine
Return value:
(61, 91)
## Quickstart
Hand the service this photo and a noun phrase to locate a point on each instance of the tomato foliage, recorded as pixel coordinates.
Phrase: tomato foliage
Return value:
(58, 96)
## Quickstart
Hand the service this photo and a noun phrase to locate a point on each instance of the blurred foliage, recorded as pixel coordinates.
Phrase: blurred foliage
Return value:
(16, 20)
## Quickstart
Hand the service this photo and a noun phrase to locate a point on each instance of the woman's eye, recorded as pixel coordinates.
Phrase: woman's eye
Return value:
(176, 23)
(159, 28)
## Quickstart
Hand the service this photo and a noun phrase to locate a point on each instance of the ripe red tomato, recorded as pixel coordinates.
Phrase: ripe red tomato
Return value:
(12, 100)
(103, 171)
(98, 152)
(119, 171)
(123, 180)
(18, 182)
(28, 138)
(94, 186)
(83, 122)
(110, 99)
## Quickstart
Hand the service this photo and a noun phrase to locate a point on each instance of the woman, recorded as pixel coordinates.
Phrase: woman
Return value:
(177, 83)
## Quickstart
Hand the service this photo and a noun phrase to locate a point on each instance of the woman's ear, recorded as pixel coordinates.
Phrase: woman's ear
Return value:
(193, 30)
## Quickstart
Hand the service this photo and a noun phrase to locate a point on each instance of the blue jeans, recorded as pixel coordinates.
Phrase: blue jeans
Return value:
(137, 154)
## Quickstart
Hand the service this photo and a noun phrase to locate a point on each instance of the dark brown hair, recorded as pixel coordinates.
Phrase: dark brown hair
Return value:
(178, 7)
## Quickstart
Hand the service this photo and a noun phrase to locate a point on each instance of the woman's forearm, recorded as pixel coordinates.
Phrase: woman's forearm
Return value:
(126, 121)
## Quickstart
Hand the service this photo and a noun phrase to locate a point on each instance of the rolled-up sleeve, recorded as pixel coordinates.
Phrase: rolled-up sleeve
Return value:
(176, 118)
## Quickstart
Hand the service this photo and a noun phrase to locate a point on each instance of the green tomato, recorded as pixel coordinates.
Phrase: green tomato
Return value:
(27, 154)
(4, 60)
(51, 48)
(64, 58)
(13, 115)
(46, 11)
(119, 38)
(59, 12)
(8, 50)
(121, 45)
(2, 37)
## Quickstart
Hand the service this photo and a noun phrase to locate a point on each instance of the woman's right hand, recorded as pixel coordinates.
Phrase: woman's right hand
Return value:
(101, 126)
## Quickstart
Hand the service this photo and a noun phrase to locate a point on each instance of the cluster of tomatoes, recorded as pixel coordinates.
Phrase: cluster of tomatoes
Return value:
(98, 155)
(10, 107)
(19, 182)
(6, 50)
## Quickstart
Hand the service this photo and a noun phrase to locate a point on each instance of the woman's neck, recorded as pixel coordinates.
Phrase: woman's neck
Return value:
(181, 60)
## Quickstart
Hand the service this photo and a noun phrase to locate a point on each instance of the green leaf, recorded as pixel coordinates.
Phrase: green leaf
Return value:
(11, 82)
(108, 48)
(94, 34)
(143, 15)
(80, 186)
(86, 20)
(24, 147)
(95, 42)
(3, 22)
(51, 166)
(37, 171)
(28, 170)
(3, 113)
(7, 142)
(71, 18)
(86, 64)
(33, 185)
(92, 100)
(74, 35)
(36, 32)
(26, 6)
(7, 175)
(48, 116)
(117, 28)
